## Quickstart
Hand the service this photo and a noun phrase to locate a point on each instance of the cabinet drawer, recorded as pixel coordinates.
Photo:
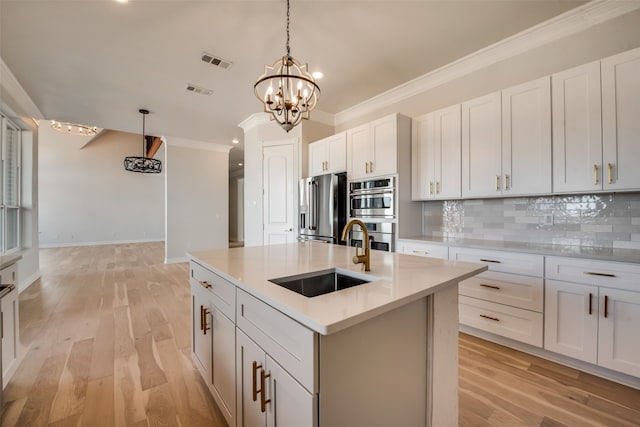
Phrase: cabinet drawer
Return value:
(8, 275)
(424, 249)
(503, 288)
(619, 275)
(515, 323)
(289, 343)
(504, 262)
(223, 292)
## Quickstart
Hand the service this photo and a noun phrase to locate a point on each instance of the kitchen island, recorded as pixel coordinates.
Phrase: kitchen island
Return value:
(377, 354)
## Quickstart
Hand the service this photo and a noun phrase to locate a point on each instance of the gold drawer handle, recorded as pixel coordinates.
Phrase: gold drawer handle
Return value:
(595, 174)
(495, 319)
(484, 285)
(491, 260)
(205, 326)
(592, 273)
(263, 399)
(204, 284)
(421, 252)
(256, 366)
(609, 170)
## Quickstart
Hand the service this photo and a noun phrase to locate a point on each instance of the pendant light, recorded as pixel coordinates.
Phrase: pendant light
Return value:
(143, 164)
(286, 89)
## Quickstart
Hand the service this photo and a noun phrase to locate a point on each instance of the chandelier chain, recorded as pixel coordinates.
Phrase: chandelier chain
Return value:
(288, 14)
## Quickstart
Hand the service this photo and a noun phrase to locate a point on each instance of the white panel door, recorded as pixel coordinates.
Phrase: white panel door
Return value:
(618, 342)
(571, 320)
(621, 121)
(526, 138)
(482, 146)
(384, 143)
(291, 404)
(250, 360)
(422, 158)
(577, 129)
(447, 152)
(358, 148)
(280, 195)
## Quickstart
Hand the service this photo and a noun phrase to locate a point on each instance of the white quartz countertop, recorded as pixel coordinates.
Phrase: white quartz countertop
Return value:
(401, 279)
(605, 254)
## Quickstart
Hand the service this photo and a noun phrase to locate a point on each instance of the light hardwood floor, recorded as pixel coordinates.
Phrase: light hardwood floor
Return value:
(107, 338)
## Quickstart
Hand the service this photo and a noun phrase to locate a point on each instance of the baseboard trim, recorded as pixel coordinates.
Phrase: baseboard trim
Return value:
(110, 242)
(176, 260)
(25, 283)
(589, 368)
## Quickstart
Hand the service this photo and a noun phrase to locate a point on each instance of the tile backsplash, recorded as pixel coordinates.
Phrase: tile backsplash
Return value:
(589, 220)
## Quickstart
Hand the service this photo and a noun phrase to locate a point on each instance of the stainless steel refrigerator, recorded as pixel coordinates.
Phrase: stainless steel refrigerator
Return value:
(323, 208)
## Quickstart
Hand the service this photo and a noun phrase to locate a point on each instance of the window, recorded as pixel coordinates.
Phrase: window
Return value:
(10, 187)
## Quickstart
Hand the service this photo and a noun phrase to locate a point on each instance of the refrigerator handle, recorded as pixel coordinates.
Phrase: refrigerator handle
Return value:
(313, 202)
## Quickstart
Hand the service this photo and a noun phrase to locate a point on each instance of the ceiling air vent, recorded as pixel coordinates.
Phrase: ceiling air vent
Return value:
(198, 89)
(215, 60)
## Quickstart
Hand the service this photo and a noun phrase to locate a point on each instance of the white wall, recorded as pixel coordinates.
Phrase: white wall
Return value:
(86, 196)
(197, 197)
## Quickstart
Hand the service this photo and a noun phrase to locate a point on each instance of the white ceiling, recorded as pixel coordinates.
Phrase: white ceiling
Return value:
(96, 62)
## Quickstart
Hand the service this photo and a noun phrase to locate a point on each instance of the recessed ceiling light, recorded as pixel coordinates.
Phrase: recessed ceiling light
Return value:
(122, 1)
(317, 74)
(239, 164)
(235, 140)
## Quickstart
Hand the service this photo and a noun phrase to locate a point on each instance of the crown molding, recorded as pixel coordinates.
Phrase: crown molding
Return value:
(16, 92)
(566, 24)
(264, 118)
(195, 144)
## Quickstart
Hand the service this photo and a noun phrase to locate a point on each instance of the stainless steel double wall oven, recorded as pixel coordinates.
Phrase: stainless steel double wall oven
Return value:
(374, 202)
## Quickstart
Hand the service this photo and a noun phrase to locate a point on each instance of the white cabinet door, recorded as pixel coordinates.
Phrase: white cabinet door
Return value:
(447, 152)
(291, 405)
(577, 129)
(9, 310)
(618, 343)
(317, 158)
(422, 158)
(358, 148)
(223, 377)
(481, 146)
(526, 138)
(621, 121)
(384, 146)
(250, 361)
(201, 331)
(337, 153)
(571, 320)
(280, 194)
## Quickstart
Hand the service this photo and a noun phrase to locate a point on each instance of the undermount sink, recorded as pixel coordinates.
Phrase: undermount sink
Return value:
(322, 282)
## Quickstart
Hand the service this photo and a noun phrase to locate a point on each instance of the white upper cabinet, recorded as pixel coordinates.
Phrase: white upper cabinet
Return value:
(621, 121)
(436, 160)
(372, 149)
(482, 146)
(577, 129)
(328, 155)
(526, 138)
(506, 142)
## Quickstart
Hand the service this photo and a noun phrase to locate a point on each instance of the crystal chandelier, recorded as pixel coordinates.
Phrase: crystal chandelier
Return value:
(143, 164)
(73, 128)
(287, 89)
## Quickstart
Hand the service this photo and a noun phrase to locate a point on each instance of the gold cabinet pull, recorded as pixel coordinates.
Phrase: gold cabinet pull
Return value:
(437, 187)
(593, 273)
(497, 182)
(430, 187)
(506, 182)
(606, 306)
(491, 260)
(263, 399)
(595, 174)
(484, 285)
(495, 319)
(256, 366)
(366, 167)
(201, 318)
(609, 173)
(421, 252)
(370, 167)
(590, 303)
(204, 284)
(205, 327)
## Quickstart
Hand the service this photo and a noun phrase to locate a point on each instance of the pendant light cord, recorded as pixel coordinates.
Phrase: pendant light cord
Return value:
(288, 48)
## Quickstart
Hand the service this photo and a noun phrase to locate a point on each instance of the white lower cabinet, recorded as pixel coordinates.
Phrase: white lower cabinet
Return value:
(213, 337)
(267, 395)
(9, 324)
(596, 319)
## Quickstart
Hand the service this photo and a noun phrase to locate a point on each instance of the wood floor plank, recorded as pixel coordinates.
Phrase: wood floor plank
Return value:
(99, 408)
